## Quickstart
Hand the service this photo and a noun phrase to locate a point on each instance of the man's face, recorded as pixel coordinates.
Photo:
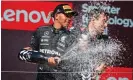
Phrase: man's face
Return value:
(63, 19)
(101, 23)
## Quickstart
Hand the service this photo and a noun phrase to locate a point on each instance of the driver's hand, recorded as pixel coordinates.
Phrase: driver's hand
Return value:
(27, 48)
(53, 61)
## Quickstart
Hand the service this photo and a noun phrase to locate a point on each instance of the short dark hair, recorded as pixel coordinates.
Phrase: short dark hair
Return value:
(96, 12)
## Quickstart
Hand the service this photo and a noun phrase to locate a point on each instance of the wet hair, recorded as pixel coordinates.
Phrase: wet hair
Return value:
(95, 13)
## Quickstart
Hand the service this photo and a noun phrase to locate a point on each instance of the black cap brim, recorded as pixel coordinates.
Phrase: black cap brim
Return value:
(71, 14)
(74, 13)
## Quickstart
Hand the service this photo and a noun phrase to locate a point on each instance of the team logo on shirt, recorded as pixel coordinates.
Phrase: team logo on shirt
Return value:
(48, 51)
(46, 33)
(63, 39)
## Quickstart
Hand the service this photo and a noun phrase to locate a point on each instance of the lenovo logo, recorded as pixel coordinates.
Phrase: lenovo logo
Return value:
(32, 16)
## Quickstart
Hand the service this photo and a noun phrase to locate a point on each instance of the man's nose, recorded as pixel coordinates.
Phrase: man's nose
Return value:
(69, 19)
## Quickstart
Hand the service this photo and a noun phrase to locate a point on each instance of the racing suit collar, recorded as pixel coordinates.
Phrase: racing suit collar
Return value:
(59, 30)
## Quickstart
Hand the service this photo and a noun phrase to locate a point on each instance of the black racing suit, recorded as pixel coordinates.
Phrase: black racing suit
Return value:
(50, 43)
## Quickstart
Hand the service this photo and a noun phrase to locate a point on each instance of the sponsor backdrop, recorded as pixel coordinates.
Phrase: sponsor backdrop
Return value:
(20, 19)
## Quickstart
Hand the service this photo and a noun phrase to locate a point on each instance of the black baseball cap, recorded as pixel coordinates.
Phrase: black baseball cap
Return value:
(65, 9)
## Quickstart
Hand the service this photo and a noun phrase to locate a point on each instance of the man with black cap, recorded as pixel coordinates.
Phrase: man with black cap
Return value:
(49, 43)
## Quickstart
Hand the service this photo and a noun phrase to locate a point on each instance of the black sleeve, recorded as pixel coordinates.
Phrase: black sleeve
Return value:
(35, 41)
(32, 56)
